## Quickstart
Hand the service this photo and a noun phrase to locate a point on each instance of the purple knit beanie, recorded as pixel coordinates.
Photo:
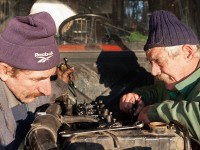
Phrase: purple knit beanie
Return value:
(166, 30)
(28, 43)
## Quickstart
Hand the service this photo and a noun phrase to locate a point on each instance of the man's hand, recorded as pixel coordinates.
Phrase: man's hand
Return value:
(66, 75)
(143, 115)
(127, 101)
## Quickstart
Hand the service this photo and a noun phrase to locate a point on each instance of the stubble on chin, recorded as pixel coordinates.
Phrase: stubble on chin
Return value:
(169, 85)
(161, 78)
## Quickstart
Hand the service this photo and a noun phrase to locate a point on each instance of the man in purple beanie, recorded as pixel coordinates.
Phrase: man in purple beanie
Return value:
(28, 58)
(173, 51)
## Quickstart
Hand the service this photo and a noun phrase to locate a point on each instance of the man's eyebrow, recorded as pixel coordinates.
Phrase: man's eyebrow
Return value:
(39, 78)
(43, 78)
(150, 58)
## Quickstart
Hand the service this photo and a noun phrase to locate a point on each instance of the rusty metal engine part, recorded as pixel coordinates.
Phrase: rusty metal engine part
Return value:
(136, 125)
(141, 139)
(43, 132)
(98, 111)
(87, 127)
(180, 128)
(76, 119)
(158, 127)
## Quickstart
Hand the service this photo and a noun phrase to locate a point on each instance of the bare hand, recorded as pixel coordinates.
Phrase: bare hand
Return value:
(127, 101)
(143, 115)
(67, 75)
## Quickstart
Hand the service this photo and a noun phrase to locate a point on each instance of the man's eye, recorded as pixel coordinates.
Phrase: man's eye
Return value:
(160, 62)
(53, 77)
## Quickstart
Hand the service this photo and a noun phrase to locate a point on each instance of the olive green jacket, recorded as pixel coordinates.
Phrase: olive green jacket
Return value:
(182, 105)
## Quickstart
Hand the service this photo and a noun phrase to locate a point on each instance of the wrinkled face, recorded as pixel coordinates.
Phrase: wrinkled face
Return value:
(169, 69)
(27, 85)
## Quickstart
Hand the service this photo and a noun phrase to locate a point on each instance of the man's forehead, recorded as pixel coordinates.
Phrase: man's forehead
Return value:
(44, 73)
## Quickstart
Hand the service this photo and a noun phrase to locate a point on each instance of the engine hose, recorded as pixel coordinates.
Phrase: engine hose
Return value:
(43, 132)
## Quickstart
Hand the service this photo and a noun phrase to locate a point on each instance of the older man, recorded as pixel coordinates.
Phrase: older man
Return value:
(28, 59)
(173, 52)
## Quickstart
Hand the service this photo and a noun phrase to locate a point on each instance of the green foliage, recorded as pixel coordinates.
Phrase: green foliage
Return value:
(136, 37)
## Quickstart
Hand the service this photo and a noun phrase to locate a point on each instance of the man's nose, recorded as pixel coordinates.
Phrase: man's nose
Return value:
(155, 69)
(45, 87)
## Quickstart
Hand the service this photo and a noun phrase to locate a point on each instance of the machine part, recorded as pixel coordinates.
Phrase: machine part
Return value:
(43, 132)
(125, 140)
(180, 128)
(136, 125)
(115, 139)
(75, 119)
(158, 127)
(99, 131)
(85, 109)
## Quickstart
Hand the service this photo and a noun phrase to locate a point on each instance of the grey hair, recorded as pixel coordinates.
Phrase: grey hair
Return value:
(174, 50)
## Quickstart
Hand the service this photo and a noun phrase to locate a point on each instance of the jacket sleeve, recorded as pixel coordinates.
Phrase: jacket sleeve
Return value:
(153, 93)
(187, 113)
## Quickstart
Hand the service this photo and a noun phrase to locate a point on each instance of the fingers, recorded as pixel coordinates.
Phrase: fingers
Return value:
(66, 75)
(143, 116)
(70, 70)
(69, 73)
(127, 101)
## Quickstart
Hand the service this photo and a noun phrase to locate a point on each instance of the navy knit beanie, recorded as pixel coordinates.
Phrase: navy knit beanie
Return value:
(166, 30)
(28, 43)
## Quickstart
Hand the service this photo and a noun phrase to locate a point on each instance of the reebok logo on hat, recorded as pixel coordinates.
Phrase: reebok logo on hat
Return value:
(43, 56)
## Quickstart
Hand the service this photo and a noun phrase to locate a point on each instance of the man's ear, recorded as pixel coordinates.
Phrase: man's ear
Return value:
(4, 71)
(188, 52)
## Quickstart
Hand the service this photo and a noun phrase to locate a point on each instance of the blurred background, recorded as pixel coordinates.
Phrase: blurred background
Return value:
(131, 15)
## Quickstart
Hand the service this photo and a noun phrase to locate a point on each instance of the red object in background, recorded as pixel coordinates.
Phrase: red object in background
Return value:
(109, 47)
(84, 47)
(71, 47)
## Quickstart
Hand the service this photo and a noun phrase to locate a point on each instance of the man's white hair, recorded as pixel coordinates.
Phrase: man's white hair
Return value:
(174, 50)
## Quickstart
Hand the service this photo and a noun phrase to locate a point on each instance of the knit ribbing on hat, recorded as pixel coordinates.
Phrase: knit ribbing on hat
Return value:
(166, 30)
(28, 42)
